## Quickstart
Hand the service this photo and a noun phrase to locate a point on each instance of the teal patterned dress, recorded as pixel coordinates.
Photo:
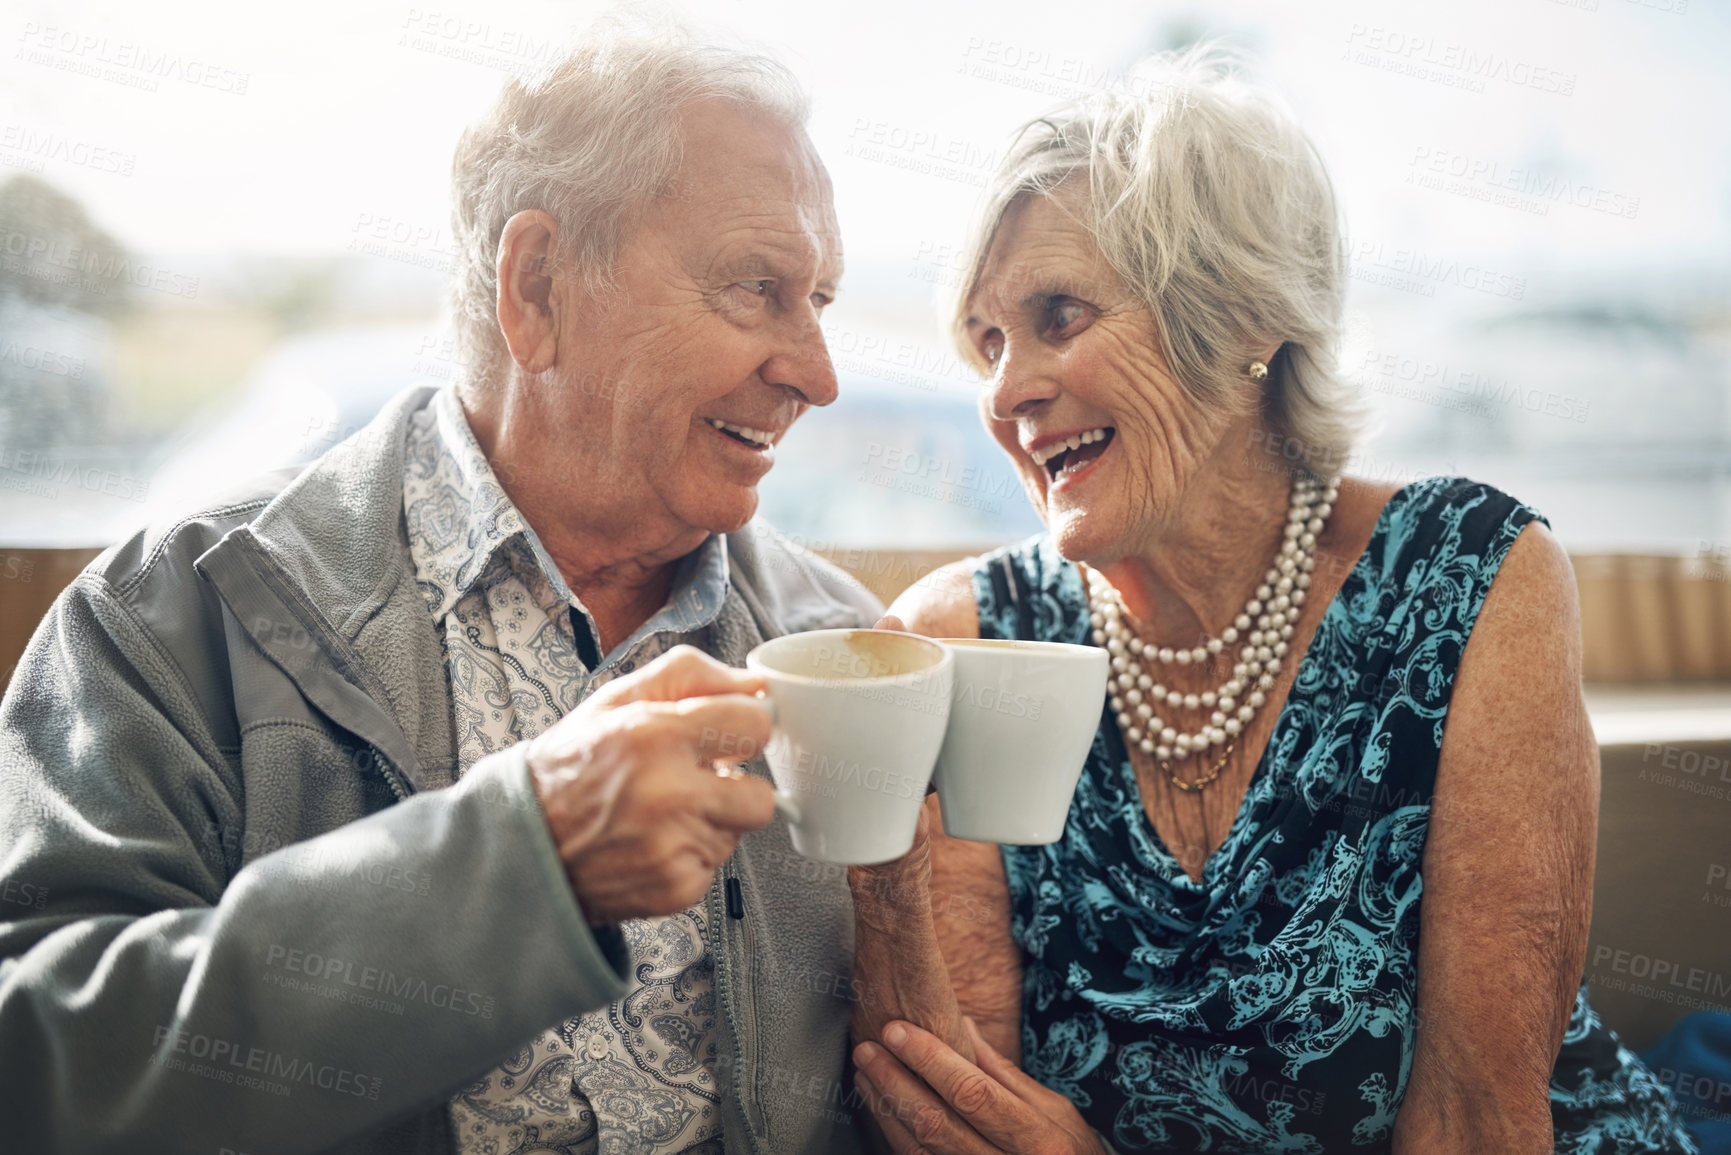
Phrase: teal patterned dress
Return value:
(1270, 1006)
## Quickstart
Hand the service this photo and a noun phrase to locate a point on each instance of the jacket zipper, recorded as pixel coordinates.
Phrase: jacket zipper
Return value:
(392, 776)
(730, 887)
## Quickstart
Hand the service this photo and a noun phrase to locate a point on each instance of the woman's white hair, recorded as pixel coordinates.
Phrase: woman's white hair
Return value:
(1212, 205)
(590, 139)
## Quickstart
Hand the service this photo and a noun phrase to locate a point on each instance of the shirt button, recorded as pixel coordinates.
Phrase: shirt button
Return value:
(597, 1047)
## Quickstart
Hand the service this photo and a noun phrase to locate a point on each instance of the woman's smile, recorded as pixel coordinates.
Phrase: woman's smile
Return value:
(1067, 459)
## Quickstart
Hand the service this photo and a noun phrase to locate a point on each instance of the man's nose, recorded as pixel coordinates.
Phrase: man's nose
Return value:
(1017, 386)
(803, 365)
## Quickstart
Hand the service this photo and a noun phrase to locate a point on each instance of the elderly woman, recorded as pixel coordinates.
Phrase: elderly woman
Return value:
(1326, 880)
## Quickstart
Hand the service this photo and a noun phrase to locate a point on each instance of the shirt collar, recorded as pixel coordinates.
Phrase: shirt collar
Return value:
(699, 589)
(458, 514)
(492, 521)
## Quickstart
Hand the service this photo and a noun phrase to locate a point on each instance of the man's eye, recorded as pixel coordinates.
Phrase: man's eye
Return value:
(992, 347)
(756, 288)
(822, 299)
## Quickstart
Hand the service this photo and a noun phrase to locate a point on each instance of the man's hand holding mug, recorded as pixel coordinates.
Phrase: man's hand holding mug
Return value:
(639, 817)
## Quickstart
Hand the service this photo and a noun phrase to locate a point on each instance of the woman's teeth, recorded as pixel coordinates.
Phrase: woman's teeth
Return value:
(1047, 452)
(1060, 458)
(756, 438)
(1070, 467)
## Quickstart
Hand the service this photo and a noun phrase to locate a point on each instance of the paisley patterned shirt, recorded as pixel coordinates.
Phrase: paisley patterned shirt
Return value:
(638, 1076)
(1270, 1006)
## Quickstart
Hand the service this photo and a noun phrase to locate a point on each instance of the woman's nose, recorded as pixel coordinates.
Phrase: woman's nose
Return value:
(1017, 385)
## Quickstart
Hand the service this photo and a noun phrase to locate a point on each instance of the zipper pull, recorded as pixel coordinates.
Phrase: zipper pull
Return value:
(735, 899)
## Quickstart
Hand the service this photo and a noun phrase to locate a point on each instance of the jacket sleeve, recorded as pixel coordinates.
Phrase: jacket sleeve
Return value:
(149, 1001)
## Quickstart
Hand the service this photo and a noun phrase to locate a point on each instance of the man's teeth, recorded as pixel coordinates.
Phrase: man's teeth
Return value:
(1046, 452)
(759, 436)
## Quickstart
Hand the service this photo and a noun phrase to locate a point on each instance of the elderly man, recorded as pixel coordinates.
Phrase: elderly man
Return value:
(379, 810)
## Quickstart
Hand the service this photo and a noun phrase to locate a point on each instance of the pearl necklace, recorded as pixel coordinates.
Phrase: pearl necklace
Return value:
(1265, 625)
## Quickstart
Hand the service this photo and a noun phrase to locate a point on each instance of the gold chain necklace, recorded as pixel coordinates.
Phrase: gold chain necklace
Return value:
(1203, 782)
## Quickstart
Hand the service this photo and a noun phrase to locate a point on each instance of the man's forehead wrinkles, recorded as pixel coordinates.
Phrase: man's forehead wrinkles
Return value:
(780, 250)
(760, 217)
(769, 245)
(769, 191)
(773, 216)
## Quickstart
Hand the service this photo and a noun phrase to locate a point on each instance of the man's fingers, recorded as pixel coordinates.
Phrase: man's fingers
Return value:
(986, 1104)
(732, 726)
(737, 803)
(682, 672)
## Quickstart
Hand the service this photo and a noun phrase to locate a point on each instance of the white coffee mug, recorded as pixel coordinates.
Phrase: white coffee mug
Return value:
(1023, 716)
(859, 717)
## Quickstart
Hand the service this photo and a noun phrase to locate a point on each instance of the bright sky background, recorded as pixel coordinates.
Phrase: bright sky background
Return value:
(350, 110)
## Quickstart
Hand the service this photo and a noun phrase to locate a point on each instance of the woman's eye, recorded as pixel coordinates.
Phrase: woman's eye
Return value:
(756, 288)
(1067, 318)
(992, 348)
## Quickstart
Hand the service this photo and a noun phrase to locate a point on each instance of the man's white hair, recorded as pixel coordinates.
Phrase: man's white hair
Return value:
(1212, 205)
(590, 139)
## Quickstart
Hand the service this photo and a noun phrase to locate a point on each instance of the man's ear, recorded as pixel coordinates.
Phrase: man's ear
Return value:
(529, 297)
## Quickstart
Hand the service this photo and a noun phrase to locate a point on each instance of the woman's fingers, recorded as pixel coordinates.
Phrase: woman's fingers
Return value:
(1000, 1068)
(989, 1108)
(901, 1140)
(1053, 1107)
(904, 1101)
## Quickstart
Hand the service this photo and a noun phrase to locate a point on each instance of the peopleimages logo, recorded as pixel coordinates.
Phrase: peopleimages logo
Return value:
(1424, 271)
(998, 701)
(938, 470)
(1526, 183)
(41, 360)
(47, 473)
(476, 42)
(327, 968)
(137, 65)
(1664, 980)
(44, 146)
(1457, 65)
(822, 774)
(1480, 390)
(230, 1062)
(51, 258)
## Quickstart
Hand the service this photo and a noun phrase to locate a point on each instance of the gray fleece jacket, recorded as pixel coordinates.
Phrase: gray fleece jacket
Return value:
(245, 907)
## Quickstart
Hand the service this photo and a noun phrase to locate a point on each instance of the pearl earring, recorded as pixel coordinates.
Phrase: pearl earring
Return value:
(1258, 371)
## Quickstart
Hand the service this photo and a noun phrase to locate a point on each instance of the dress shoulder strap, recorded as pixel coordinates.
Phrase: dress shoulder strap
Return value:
(1027, 591)
(1436, 551)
